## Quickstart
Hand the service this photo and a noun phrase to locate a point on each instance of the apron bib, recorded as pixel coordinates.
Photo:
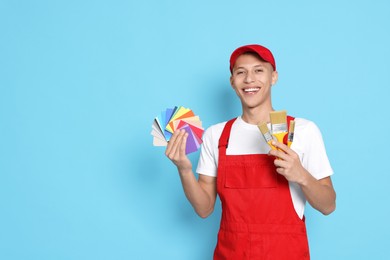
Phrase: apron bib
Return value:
(258, 217)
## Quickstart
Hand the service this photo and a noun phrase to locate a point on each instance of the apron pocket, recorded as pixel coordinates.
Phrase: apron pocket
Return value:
(244, 176)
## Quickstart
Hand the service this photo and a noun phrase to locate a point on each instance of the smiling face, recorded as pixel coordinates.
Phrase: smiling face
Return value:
(252, 79)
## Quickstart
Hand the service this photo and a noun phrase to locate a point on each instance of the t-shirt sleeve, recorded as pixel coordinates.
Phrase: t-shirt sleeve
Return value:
(207, 164)
(315, 159)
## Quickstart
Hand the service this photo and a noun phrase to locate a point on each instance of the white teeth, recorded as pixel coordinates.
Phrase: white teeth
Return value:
(251, 89)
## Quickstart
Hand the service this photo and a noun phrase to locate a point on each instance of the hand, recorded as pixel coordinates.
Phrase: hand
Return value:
(288, 163)
(176, 151)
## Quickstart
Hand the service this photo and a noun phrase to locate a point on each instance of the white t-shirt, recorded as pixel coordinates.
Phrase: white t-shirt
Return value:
(247, 139)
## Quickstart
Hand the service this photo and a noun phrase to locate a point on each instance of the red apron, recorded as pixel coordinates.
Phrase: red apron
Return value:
(258, 217)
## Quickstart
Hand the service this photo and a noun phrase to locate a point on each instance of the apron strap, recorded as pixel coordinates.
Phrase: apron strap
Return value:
(224, 139)
(289, 118)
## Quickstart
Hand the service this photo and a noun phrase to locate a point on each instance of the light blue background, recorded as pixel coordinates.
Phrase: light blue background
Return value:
(81, 81)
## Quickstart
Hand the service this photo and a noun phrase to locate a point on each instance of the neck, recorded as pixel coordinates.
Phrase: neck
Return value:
(256, 115)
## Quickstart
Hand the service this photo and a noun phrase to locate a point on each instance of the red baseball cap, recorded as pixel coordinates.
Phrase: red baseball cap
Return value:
(262, 51)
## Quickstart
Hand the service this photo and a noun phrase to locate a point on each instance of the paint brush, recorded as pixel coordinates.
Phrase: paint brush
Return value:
(290, 136)
(267, 134)
(279, 124)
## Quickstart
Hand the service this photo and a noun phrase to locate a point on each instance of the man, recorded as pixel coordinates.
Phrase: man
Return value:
(263, 192)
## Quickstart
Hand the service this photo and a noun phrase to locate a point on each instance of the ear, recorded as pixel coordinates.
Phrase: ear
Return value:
(231, 81)
(274, 77)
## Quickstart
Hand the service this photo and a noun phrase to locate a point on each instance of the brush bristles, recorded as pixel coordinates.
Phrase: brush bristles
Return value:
(278, 117)
(292, 126)
(263, 128)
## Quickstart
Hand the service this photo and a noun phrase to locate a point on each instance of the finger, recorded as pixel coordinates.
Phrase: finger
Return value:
(288, 154)
(175, 142)
(278, 154)
(171, 142)
(280, 171)
(179, 141)
(183, 144)
(281, 146)
(280, 163)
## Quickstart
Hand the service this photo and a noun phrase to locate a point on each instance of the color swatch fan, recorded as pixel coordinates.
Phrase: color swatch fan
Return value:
(175, 118)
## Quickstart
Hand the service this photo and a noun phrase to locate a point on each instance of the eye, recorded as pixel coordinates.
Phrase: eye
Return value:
(239, 72)
(258, 70)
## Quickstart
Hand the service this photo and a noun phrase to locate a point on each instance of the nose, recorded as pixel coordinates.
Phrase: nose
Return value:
(249, 77)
